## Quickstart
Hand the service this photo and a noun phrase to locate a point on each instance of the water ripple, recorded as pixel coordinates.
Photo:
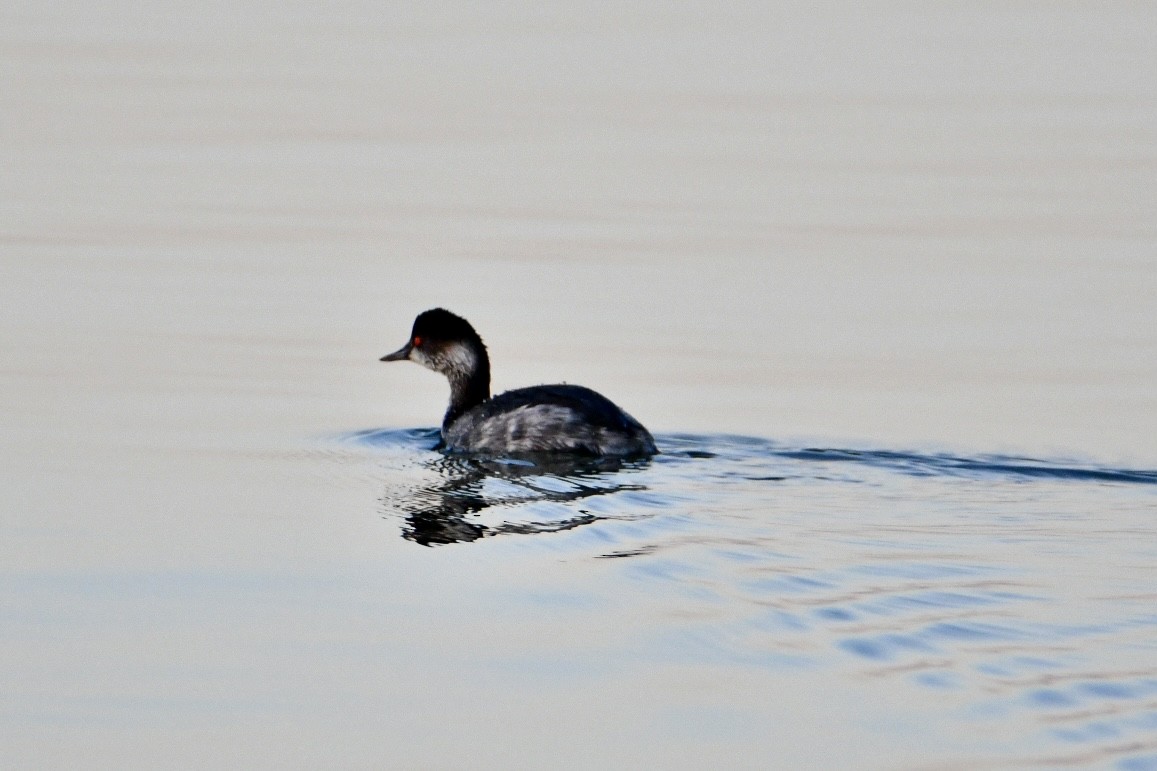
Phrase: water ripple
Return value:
(1010, 595)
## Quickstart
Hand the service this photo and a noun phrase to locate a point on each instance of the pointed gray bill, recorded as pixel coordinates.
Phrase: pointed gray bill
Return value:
(400, 354)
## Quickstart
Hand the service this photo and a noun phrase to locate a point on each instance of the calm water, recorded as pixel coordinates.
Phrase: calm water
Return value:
(880, 279)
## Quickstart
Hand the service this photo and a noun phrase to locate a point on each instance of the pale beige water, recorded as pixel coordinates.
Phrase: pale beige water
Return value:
(903, 226)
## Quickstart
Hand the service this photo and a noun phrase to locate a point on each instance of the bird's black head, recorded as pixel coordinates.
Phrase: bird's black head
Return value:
(446, 343)
(439, 324)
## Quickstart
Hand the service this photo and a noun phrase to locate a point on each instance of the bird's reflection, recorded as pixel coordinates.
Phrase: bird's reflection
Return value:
(445, 511)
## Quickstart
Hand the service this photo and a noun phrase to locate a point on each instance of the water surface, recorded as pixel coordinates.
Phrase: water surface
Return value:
(1003, 605)
(880, 277)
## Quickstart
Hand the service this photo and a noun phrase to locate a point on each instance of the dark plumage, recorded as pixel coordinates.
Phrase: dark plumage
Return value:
(547, 418)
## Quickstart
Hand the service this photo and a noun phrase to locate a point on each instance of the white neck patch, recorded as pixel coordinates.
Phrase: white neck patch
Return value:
(454, 360)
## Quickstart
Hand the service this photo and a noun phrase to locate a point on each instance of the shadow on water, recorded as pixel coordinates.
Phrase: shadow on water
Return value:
(451, 493)
(445, 510)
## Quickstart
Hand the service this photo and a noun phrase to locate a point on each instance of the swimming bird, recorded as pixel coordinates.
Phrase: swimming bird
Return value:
(557, 418)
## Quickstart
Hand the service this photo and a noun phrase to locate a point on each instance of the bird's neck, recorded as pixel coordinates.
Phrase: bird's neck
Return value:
(469, 387)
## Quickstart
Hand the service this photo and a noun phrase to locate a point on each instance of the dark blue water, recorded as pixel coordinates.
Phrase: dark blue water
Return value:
(1004, 608)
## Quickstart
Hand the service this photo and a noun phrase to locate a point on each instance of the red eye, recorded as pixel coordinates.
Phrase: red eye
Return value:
(417, 341)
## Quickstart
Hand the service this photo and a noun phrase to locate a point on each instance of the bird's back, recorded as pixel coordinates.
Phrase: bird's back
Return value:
(548, 418)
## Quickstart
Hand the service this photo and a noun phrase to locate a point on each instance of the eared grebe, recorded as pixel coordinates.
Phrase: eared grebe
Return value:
(546, 418)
